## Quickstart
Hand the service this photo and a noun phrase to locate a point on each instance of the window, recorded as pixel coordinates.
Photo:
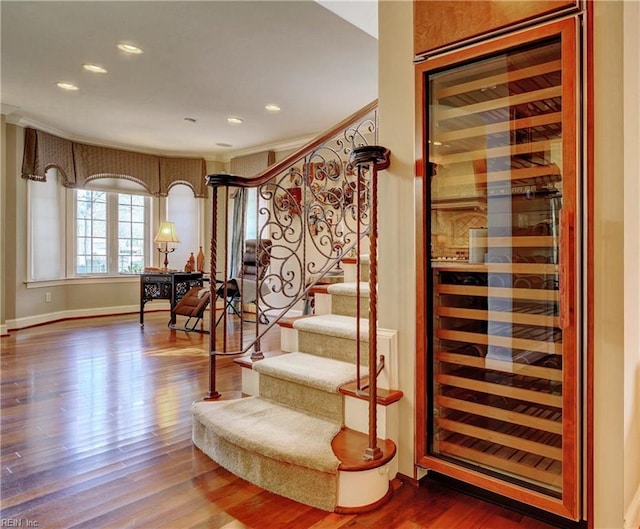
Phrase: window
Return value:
(257, 213)
(111, 232)
(91, 232)
(131, 223)
(251, 225)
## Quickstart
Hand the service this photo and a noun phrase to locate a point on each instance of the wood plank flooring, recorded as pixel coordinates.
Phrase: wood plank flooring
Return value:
(96, 432)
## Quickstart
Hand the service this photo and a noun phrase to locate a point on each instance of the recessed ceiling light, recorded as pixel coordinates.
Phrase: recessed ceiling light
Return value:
(232, 119)
(224, 145)
(272, 107)
(94, 68)
(129, 48)
(66, 86)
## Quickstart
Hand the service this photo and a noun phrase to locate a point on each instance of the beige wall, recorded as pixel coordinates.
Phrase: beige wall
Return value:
(397, 220)
(3, 221)
(617, 277)
(609, 286)
(10, 222)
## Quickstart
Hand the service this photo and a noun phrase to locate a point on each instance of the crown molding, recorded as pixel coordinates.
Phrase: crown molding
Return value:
(26, 122)
(285, 145)
(6, 110)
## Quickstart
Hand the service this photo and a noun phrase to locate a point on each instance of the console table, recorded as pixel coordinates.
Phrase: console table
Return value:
(170, 285)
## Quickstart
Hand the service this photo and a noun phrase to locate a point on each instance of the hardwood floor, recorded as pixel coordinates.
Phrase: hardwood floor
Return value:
(96, 432)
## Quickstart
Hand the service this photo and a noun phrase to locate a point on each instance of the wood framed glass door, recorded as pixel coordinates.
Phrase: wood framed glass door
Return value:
(500, 347)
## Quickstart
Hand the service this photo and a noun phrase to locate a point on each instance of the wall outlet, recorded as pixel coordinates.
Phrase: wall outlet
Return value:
(47, 297)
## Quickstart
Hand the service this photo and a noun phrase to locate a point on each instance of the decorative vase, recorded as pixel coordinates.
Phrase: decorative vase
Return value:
(200, 261)
(192, 262)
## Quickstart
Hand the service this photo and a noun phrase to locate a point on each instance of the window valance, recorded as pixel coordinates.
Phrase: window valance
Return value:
(79, 163)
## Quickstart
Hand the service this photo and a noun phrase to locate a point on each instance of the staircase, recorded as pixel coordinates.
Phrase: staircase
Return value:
(302, 431)
(313, 426)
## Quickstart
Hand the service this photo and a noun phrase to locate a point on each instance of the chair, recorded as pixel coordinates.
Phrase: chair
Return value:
(255, 262)
(192, 305)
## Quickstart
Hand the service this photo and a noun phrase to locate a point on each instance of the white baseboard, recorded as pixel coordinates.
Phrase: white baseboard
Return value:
(30, 321)
(3, 330)
(632, 516)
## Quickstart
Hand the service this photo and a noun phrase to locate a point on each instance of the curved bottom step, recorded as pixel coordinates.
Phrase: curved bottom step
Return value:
(265, 444)
(279, 449)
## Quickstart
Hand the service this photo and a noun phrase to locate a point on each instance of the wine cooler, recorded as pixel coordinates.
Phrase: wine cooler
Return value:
(501, 200)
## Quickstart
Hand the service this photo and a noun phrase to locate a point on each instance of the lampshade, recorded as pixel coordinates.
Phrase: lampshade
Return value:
(167, 233)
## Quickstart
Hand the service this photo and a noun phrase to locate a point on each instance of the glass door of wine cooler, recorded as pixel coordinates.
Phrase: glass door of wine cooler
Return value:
(502, 365)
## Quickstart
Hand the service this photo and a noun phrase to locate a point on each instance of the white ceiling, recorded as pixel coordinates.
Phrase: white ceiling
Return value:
(204, 60)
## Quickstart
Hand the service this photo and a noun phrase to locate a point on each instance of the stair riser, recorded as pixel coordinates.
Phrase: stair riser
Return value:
(313, 401)
(331, 347)
(350, 272)
(347, 305)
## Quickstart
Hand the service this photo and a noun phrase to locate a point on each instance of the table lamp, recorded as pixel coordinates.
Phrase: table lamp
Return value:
(166, 234)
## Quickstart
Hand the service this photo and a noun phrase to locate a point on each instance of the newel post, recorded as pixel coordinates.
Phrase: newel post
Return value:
(213, 393)
(376, 158)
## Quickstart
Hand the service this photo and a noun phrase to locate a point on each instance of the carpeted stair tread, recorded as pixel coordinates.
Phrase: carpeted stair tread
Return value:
(334, 325)
(349, 289)
(309, 370)
(277, 432)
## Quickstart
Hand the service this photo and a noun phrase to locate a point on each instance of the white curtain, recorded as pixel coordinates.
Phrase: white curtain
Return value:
(238, 225)
(183, 209)
(46, 228)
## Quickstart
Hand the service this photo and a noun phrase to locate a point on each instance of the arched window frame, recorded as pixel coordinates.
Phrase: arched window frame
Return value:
(112, 260)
